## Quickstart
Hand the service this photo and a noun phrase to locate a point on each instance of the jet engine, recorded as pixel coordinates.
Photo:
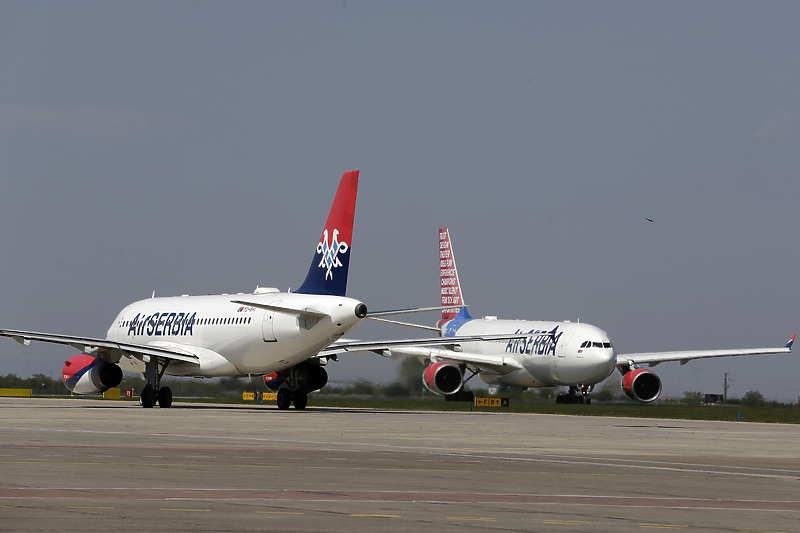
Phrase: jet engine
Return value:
(84, 374)
(642, 385)
(274, 381)
(442, 378)
(308, 377)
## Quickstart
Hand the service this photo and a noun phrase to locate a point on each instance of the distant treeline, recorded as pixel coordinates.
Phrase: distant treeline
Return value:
(408, 385)
(37, 383)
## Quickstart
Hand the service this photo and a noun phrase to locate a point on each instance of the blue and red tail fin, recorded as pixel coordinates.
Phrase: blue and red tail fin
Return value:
(791, 341)
(328, 271)
(448, 280)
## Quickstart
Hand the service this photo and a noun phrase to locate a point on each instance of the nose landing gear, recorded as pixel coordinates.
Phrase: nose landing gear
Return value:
(573, 397)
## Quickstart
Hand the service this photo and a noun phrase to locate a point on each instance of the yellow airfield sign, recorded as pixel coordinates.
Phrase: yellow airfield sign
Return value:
(491, 402)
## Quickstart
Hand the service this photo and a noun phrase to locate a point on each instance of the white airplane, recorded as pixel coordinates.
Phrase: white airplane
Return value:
(552, 354)
(290, 335)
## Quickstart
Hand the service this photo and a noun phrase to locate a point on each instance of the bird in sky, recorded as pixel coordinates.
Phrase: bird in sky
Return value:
(649, 219)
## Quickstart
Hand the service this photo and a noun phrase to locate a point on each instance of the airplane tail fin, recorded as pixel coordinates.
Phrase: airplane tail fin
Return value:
(448, 277)
(328, 271)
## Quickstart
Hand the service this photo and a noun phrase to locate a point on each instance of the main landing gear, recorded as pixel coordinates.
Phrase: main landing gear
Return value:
(152, 392)
(286, 396)
(574, 398)
(298, 381)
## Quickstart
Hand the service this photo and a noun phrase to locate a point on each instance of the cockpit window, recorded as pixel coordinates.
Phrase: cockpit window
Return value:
(591, 344)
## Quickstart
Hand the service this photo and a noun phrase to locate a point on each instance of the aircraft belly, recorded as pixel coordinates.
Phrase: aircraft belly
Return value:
(245, 354)
(265, 357)
(517, 378)
(540, 368)
(576, 373)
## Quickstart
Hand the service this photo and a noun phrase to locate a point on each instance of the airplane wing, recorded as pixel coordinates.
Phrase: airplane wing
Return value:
(655, 358)
(414, 310)
(407, 324)
(418, 348)
(108, 351)
(374, 315)
(498, 364)
(343, 346)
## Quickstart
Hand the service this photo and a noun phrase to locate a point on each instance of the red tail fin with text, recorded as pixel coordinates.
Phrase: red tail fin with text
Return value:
(448, 276)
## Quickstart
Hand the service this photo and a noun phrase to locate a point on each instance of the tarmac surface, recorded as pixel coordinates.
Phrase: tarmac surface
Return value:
(93, 465)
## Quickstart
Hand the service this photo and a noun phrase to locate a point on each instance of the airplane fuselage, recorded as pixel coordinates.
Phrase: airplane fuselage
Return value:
(231, 339)
(554, 354)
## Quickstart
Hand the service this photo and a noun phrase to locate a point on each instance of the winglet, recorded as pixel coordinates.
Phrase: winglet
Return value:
(328, 271)
(448, 279)
(791, 341)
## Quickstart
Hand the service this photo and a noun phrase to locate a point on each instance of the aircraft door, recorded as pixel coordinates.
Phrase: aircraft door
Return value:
(268, 324)
(561, 347)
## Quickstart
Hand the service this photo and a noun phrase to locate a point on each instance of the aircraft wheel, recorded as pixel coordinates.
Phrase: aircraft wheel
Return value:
(560, 398)
(164, 397)
(284, 398)
(148, 397)
(300, 399)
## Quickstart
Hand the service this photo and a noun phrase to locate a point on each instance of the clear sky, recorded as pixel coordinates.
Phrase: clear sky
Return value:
(194, 147)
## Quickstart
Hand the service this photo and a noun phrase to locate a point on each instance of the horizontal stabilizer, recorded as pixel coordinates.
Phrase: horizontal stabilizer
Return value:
(302, 313)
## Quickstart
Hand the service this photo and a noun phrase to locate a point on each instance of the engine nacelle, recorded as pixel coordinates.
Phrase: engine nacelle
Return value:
(442, 378)
(642, 385)
(274, 381)
(309, 377)
(84, 374)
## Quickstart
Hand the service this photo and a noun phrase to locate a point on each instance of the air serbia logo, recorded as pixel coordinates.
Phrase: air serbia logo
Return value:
(539, 342)
(159, 324)
(330, 252)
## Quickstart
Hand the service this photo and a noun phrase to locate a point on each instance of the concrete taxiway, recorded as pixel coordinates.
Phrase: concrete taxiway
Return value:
(91, 465)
